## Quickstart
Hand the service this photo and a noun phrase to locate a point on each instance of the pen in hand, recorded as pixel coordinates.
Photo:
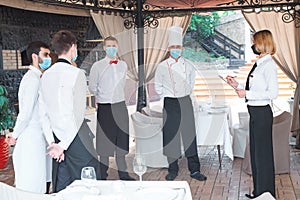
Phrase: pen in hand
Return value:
(230, 81)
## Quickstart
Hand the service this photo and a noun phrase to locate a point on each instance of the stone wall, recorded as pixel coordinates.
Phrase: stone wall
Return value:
(233, 26)
(20, 27)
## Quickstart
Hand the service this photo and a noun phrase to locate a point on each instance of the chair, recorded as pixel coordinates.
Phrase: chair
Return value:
(241, 133)
(8, 192)
(281, 149)
(149, 141)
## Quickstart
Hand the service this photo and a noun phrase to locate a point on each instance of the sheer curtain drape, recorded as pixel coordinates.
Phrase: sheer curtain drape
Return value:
(287, 39)
(155, 40)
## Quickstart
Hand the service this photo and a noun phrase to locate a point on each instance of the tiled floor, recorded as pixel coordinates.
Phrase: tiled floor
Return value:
(229, 182)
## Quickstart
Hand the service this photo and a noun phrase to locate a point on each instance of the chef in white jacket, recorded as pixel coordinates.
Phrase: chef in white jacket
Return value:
(31, 164)
(174, 81)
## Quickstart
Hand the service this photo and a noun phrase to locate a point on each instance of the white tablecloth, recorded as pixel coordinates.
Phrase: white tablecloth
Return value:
(212, 128)
(126, 190)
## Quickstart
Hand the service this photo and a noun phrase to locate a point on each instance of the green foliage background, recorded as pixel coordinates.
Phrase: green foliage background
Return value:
(7, 119)
(201, 27)
(204, 25)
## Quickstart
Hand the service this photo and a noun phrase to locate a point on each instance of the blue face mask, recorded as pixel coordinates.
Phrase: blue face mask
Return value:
(111, 51)
(175, 53)
(75, 57)
(45, 64)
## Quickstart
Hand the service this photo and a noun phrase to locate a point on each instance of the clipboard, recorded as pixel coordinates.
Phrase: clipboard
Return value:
(221, 77)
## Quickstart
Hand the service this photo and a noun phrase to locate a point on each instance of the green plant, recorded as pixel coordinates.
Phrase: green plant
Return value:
(204, 25)
(7, 119)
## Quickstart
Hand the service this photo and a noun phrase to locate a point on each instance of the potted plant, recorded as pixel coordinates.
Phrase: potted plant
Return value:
(7, 121)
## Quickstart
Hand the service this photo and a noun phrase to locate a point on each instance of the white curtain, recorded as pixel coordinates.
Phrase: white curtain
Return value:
(287, 38)
(155, 40)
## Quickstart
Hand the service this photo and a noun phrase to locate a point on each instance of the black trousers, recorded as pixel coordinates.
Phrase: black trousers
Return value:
(179, 124)
(80, 153)
(112, 136)
(193, 164)
(121, 164)
(261, 149)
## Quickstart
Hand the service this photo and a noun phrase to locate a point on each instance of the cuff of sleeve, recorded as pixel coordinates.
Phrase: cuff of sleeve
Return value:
(63, 145)
(240, 86)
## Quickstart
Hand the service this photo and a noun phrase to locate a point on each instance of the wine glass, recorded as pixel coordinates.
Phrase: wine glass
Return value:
(88, 174)
(139, 166)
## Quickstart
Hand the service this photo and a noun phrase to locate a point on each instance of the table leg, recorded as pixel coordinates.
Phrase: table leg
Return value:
(219, 154)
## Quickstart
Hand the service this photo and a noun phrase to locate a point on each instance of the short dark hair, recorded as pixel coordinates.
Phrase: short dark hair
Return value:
(111, 38)
(62, 41)
(35, 47)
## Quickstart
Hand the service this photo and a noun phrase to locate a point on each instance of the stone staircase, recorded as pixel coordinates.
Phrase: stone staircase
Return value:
(208, 85)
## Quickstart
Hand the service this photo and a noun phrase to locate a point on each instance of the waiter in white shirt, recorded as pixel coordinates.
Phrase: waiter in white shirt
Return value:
(107, 82)
(32, 166)
(174, 81)
(63, 103)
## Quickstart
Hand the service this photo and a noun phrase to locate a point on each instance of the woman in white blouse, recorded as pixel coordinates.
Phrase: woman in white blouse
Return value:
(261, 88)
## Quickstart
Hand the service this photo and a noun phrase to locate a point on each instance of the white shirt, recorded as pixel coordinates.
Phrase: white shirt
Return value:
(32, 166)
(175, 79)
(263, 83)
(28, 101)
(63, 98)
(107, 81)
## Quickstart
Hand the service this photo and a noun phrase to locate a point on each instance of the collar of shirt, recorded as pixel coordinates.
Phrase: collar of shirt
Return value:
(64, 60)
(259, 61)
(35, 70)
(107, 60)
(171, 61)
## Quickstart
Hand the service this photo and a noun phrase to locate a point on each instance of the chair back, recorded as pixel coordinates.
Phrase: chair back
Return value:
(244, 120)
(149, 141)
(281, 148)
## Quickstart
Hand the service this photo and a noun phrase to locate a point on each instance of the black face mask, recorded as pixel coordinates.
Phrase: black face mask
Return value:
(253, 47)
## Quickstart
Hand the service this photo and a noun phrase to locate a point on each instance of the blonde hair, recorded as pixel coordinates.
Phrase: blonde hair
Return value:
(264, 42)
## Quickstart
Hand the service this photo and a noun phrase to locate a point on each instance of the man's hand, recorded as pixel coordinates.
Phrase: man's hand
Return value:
(56, 152)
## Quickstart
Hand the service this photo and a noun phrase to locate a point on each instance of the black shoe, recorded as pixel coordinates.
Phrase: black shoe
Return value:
(198, 176)
(171, 176)
(250, 196)
(126, 177)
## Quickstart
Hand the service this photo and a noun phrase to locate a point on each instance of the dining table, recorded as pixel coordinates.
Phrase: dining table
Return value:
(125, 190)
(213, 127)
(212, 123)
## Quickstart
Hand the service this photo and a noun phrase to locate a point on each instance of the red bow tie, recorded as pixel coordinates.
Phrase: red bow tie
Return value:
(113, 62)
